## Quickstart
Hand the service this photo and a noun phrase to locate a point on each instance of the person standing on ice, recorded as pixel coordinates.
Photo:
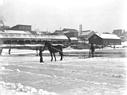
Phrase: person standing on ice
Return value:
(40, 54)
(92, 49)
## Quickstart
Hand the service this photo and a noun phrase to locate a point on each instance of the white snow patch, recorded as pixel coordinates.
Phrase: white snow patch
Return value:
(2, 69)
(19, 89)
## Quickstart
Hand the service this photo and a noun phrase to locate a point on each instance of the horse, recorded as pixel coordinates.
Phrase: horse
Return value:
(54, 49)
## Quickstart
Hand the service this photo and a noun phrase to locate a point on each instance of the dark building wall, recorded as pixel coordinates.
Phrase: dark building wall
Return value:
(96, 40)
(4, 28)
(72, 34)
(111, 42)
(118, 32)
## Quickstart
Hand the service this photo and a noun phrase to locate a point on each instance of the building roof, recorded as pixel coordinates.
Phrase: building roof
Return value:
(70, 30)
(108, 36)
(17, 32)
(58, 32)
(87, 34)
(52, 37)
(59, 37)
(74, 38)
(21, 27)
(31, 36)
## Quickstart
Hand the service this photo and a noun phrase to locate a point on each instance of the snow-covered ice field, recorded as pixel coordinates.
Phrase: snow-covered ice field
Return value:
(24, 75)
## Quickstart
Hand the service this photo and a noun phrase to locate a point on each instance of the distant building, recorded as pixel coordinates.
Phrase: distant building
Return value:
(40, 32)
(70, 32)
(105, 39)
(2, 28)
(124, 37)
(16, 32)
(57, 32)
(121, 33)
(106, 33)
(21, 27)
(85, 35)
(74, 40)
(118, 32)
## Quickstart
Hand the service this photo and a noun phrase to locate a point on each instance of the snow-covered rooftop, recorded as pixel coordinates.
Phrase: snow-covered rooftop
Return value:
(108, 36)
(54, 37)
(17, 32)
(44, 37)
(87, 32)
(73, 38)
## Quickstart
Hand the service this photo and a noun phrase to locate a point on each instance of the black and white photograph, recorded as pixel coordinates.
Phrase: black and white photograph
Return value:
(63, 47)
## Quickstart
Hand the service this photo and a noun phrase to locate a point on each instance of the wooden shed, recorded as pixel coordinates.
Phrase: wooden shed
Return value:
(105, 39)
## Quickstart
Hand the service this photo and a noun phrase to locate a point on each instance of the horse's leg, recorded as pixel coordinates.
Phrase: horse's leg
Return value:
(61, 54)
(1, 50)
(51, 56)
(9, 51)
(54, 56)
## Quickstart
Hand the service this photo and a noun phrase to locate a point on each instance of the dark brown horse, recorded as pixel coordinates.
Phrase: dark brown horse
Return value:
(54, 49)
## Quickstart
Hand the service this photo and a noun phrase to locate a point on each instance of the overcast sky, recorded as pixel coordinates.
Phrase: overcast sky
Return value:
(97, 15)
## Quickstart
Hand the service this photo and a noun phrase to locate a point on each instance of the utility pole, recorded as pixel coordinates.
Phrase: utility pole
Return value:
(80, 29)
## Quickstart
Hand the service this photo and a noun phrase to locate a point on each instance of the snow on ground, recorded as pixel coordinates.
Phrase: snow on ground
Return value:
(24, 75)
(24, 51)
(124, 43)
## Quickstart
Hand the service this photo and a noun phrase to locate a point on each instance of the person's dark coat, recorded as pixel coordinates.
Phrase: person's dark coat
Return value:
(92, 48)
(40, 54)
